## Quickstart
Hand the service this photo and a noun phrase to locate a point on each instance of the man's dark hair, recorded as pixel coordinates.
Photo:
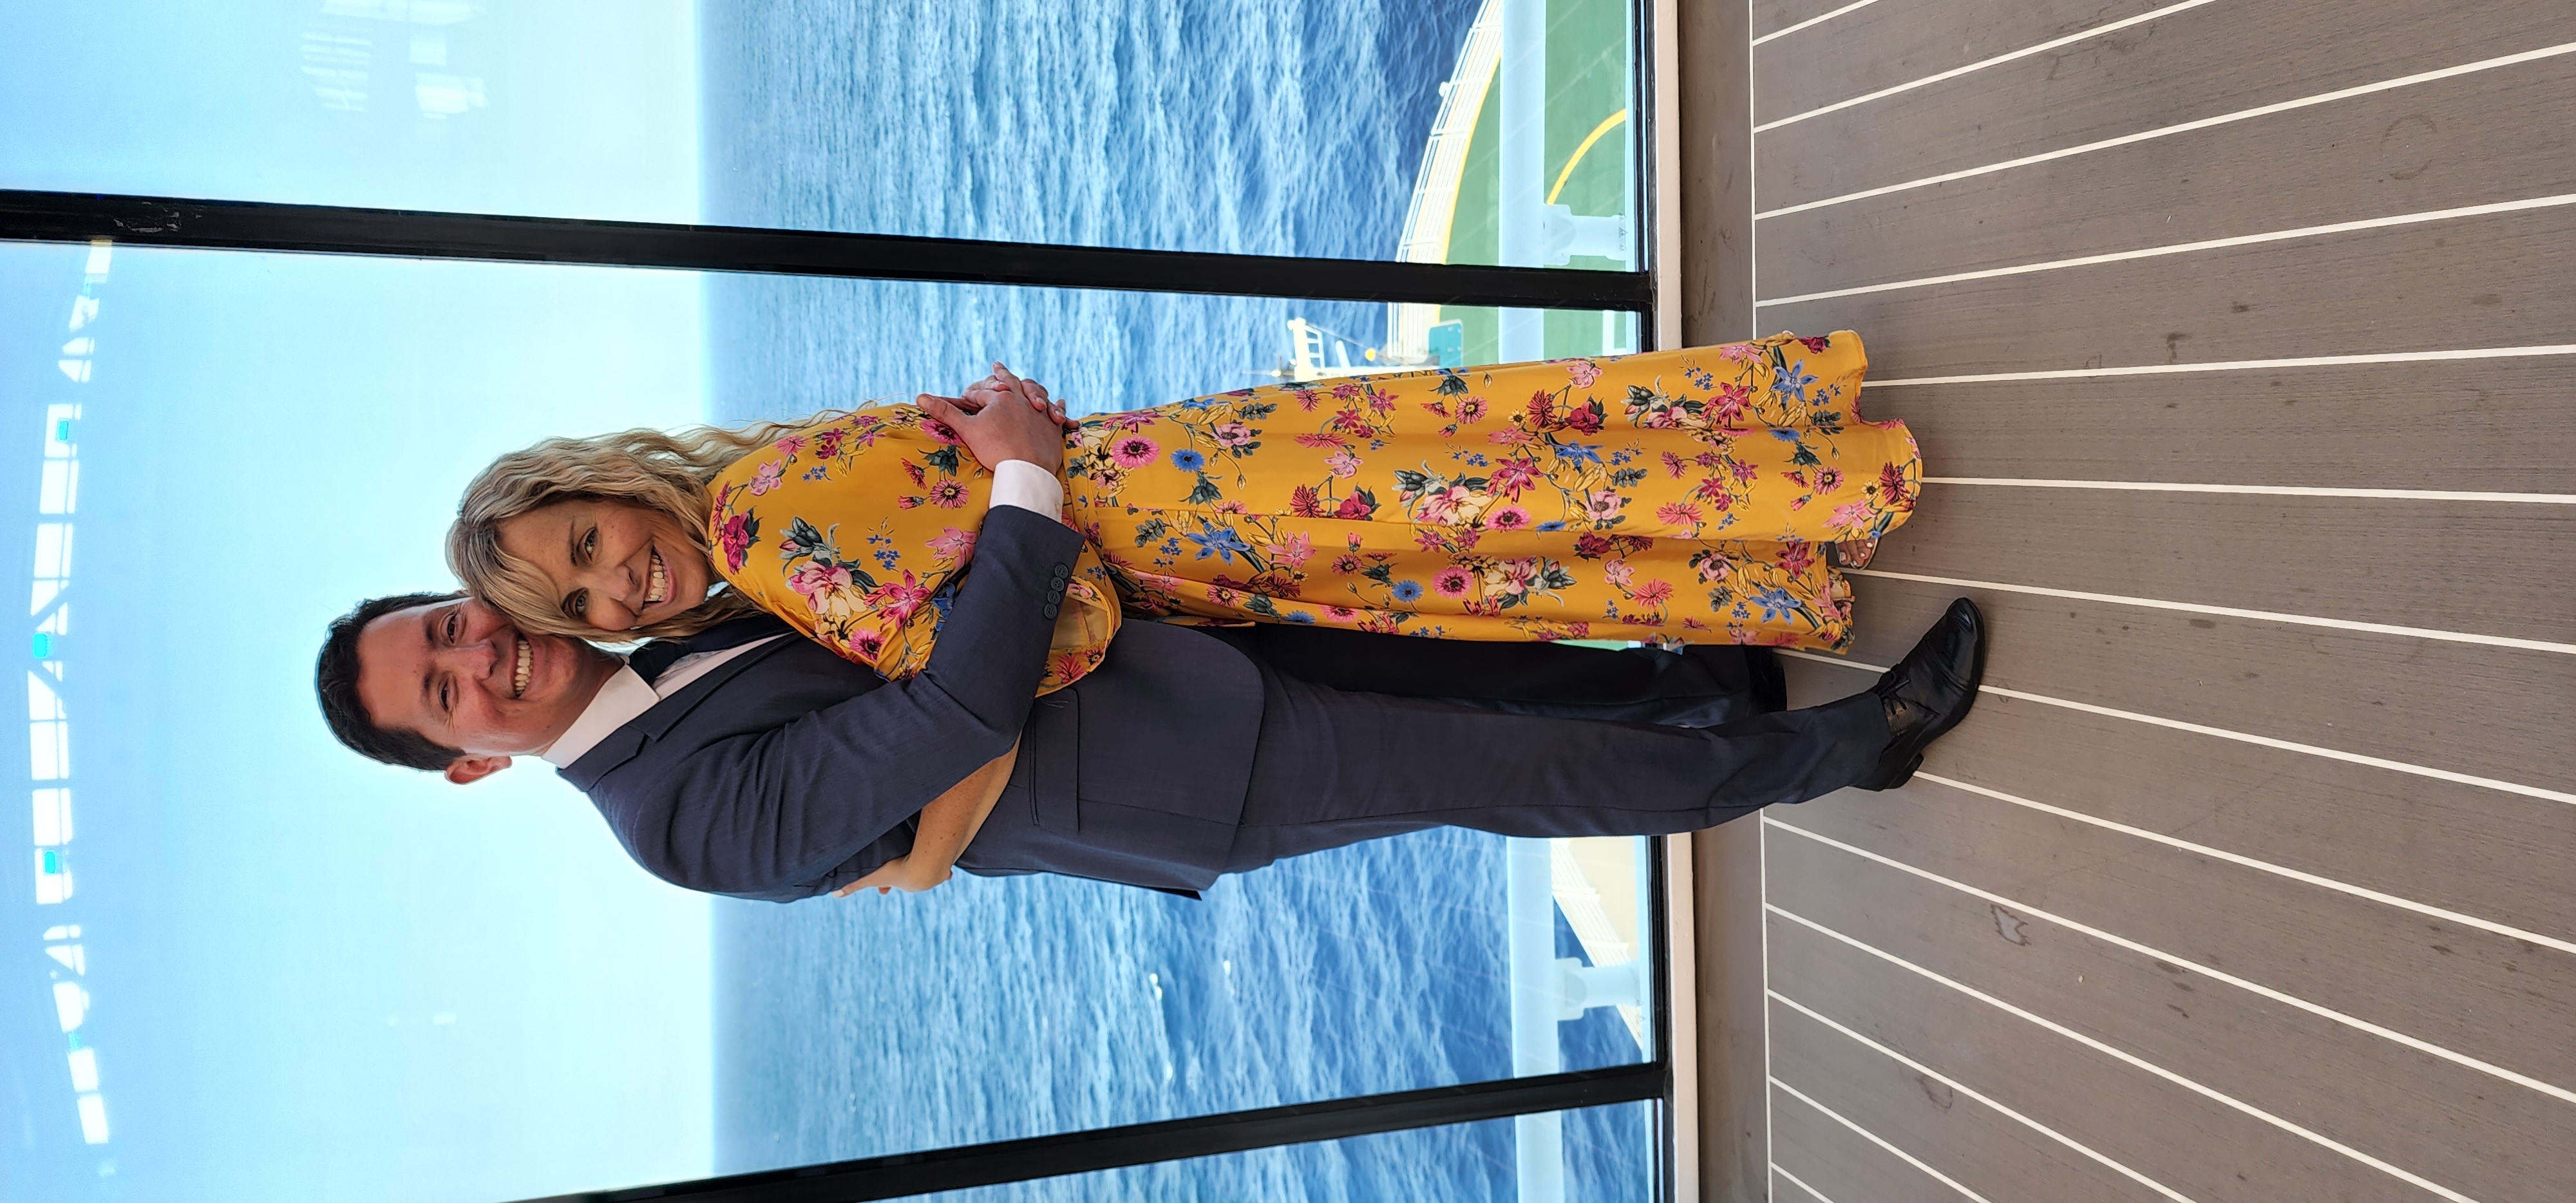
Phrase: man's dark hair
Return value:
(335, 678)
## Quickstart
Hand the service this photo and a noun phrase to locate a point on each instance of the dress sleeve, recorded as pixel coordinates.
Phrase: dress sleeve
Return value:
(858, 532)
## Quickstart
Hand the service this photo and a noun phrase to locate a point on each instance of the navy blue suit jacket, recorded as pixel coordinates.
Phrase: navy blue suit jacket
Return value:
(788, 771)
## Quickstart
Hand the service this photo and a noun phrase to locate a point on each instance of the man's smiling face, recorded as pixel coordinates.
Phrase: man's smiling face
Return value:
(462, 676)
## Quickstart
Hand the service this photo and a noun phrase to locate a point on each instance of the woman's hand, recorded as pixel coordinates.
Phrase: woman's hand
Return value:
(1000, 386)
(1026, 430)
(902, 873)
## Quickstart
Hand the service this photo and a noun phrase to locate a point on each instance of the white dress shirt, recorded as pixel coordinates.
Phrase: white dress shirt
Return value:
(625, 697)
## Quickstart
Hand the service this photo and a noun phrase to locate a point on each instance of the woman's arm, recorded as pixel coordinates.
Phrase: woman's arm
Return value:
(948, 824)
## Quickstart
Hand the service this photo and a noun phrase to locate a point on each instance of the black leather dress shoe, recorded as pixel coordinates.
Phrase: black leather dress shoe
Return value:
(1929, 691)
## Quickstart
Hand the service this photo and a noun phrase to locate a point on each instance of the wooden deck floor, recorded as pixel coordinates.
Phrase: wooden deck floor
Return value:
(2240, 339)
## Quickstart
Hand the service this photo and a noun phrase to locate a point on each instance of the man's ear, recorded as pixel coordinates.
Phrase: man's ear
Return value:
(466, 770)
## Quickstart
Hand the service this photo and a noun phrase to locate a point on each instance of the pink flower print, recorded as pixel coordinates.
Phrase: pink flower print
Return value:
(1125, 423)
(1346, 565)
(1740, 352)
(735, 537)
(1452, 581)
(827, 445)
(1509, 438)
(1512, 477)
(768, 476)
(789, 445)
(1471, 410)
(1293, 551)
(1619, 573)
(1727, 407)
(867, 644)
(1796, 556)
(1344, 464)
(1231, 435)
(897, 600)
(1134, 451)
(938, 431)
(1654, 593)
(1321, 441)
(1828, 479)
(953, 544)
(1677, 513)
(1604, 504)
(1713, 569)
(1514, 576)
(1507, 517)
(1340, 613)
(811, 578)
(1584, 372)
(1445, 506)
(1853, 516)
(948, 494)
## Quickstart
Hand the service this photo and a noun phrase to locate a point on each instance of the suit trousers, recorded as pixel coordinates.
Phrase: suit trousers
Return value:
(1334, 767)
(1703, 685)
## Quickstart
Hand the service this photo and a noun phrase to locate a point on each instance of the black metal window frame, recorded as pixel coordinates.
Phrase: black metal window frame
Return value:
(179, 222)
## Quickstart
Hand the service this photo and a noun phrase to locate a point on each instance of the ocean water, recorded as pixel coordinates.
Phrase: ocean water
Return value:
(997, 1008)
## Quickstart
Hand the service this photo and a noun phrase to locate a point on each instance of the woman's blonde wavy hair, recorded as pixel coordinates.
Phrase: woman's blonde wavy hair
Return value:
(663, 471)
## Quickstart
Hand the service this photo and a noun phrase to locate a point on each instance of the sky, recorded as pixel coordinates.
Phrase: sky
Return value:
(306, 976)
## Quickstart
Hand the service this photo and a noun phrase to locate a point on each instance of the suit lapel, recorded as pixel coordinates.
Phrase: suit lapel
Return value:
(627, 741)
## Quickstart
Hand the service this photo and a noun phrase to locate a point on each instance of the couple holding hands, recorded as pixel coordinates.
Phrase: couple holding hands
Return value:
(1158, 646)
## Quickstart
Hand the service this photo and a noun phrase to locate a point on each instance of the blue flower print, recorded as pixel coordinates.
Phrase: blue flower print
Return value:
(1222, 542)
(1793, 381)
(1776, 604)
(1300, 616)
(1406, 591)
(1188, 461)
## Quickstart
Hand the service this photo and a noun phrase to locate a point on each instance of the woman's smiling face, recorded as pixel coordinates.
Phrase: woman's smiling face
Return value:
(614, 565)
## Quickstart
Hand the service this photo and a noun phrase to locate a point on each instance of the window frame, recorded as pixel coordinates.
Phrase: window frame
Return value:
(195, 223)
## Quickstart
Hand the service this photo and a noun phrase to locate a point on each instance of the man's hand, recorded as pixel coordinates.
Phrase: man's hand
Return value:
(902, 873)
(1027, 430)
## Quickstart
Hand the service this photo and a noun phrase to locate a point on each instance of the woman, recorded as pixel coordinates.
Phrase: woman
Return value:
(1681, 496)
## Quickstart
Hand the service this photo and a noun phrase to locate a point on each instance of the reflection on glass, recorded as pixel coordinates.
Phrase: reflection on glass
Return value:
(1463, 131)
(254, 967)
(1609, 1158)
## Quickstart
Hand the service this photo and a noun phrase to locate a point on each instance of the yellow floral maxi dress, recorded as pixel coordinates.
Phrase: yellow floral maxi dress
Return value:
(1681, 497)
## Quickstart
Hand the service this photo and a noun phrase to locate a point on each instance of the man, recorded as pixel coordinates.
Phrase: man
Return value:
(763, 766)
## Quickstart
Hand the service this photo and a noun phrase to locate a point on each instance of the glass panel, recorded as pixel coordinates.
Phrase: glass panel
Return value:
(1602, 1155)
(1460, 131)
(255, 967)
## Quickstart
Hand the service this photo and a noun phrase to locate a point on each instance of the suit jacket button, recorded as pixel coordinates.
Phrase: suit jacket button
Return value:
(1050, 610)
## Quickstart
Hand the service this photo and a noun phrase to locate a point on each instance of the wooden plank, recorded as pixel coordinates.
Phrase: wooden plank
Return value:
(1785, 1189)
(2493, 424)
(2480, 568)
(1716, 138)
(2466, 1130)
(1841, 1164)
(2492, 281)
(2499, 1000)
(1772, 16)
(1726, 872)
(2472, 851)
(2196, 1145)
(2473, 139)
(1896, 42)
(1717, 174)
(2202, 62)
(2488, 712)
(1979, 1147)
